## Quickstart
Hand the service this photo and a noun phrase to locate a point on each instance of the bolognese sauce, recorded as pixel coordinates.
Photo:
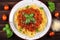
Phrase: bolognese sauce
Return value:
(31, 26)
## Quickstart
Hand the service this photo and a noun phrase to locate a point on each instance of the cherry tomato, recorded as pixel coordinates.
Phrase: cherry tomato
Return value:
(6, 7)
(51, 34)
(56, 14)
(4, 17)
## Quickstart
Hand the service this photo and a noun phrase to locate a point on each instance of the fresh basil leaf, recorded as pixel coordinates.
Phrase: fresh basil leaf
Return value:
(51, 9)
(41, 7)
(9, 33)
(31, 15)
(37, 30)
(7, 26)
(26, 15)
(29, 18)
(27, 21)
(27, 6)
(20, 29)
(51, 6)
(4, 29)
(32, 19)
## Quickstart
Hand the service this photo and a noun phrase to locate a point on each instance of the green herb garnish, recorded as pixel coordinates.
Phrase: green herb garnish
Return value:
(32, 19)
(29, 18)
(37, 30)
(27, 21)
(51, 6)
(8, 31)
(27, 6)
(20, 29)
(41, 7)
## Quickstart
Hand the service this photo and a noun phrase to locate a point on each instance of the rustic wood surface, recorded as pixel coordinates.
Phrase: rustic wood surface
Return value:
(11, 3)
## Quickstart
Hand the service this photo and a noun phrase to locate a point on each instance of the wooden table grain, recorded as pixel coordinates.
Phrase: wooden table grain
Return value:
(11, 3)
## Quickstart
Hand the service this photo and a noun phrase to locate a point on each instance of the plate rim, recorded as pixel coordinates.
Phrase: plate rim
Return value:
(11, 23)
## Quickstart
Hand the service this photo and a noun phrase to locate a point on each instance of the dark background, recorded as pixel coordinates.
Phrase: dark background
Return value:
(11, 3)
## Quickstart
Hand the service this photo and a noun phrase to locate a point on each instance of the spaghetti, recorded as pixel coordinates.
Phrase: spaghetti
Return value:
(35, 17)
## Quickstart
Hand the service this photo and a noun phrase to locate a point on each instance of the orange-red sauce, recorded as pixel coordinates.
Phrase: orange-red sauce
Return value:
(31, 26)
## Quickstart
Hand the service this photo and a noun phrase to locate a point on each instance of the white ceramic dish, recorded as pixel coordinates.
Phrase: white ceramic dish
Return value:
(25, 3)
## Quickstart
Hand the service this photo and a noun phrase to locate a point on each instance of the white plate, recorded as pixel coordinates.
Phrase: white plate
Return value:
(25, 3)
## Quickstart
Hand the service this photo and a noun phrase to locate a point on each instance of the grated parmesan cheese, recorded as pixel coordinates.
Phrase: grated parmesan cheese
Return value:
(56, 25)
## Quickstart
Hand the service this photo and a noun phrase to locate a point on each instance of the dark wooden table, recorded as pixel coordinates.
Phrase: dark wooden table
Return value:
(11, 3)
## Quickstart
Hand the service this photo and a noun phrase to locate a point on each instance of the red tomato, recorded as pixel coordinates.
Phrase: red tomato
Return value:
(51, 34)
(56, 14)
(4, 17)
(6, 7)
